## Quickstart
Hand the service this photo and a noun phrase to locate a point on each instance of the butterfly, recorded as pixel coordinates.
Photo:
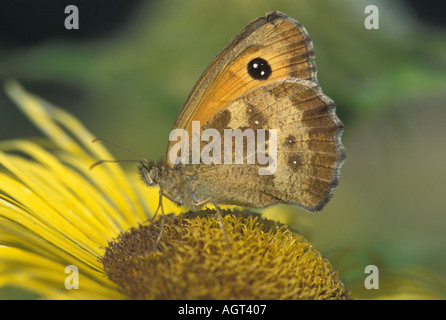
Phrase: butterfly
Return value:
(263, 79)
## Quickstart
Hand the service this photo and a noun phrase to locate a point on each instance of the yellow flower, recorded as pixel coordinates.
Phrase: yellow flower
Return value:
(70, 232)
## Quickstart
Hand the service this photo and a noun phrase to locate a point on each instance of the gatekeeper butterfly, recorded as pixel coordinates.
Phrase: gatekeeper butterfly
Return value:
(263, 79)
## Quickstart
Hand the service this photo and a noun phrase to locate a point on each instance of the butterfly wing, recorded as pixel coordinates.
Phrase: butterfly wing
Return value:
(265, 79)
(309, 148)
(277, 39)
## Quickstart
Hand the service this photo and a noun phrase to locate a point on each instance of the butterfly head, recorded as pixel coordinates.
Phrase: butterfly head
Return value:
(149, 172)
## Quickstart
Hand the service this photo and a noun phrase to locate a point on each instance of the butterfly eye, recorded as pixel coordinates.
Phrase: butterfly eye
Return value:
(259, 69)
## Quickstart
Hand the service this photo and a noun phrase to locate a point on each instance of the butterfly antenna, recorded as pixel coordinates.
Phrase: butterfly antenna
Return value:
(115, 161)
(119, 148)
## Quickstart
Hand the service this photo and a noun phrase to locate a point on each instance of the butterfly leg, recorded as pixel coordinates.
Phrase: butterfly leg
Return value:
(220, 220)
(156, 213)
(222, 227)
(160, 205)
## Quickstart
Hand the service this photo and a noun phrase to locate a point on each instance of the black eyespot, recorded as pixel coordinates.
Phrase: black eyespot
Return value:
(259, 69)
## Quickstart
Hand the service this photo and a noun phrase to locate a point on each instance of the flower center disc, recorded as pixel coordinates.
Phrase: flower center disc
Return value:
(265, 260)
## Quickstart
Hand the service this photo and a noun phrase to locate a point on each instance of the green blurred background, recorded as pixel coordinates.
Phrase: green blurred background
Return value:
(129, 68)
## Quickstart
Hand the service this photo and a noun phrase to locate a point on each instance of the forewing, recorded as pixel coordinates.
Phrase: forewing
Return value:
(281, 41)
